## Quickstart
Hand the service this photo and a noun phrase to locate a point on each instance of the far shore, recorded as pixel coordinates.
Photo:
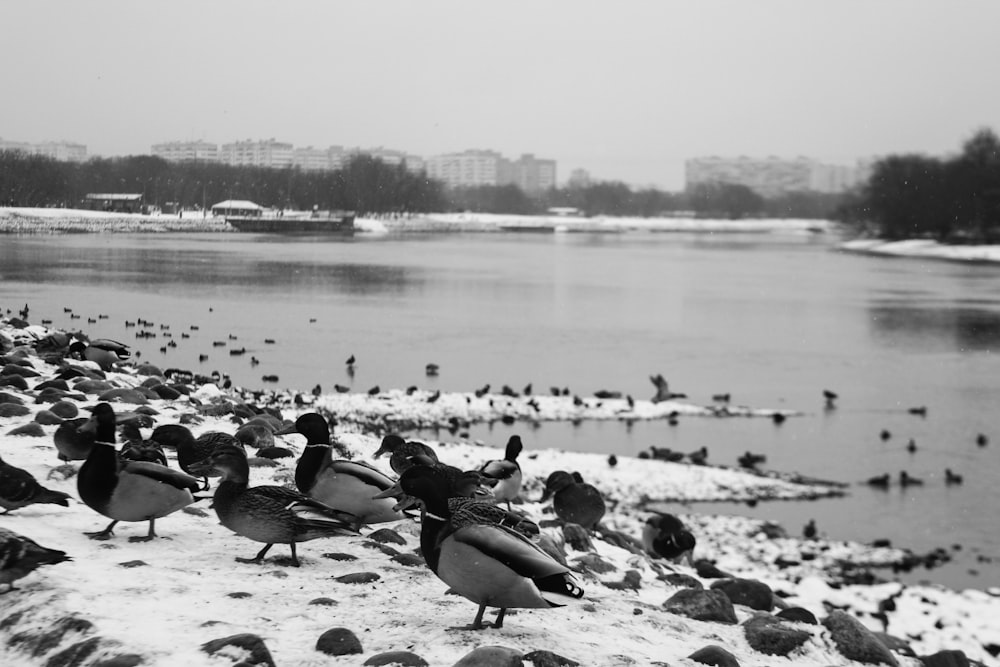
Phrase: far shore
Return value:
(15, 220)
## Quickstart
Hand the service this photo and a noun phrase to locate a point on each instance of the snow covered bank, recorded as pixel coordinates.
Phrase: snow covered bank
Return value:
(160, 602)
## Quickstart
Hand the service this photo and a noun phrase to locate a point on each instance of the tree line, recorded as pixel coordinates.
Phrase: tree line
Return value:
(368, 186)
(951, 200)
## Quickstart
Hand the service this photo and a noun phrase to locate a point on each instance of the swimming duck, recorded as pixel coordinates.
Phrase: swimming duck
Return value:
(484, 562)
(128, 490)
(19, 488)
(401, 452)
(102, 351)
(506, 471)
(573, 500)
(666, 536)
(20, 555)
(269, 514)
(809, 530)
(906, 480)
(879, 481)
(950, 477)
(349, 486)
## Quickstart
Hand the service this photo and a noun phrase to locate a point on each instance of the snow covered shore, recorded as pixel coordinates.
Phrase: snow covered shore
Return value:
(163, 602)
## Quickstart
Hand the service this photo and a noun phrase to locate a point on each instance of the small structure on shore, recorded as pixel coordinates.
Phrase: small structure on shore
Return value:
(237, 207)
(113, 202)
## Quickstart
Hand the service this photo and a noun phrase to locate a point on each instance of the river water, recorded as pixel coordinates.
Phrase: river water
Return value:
(772, 319)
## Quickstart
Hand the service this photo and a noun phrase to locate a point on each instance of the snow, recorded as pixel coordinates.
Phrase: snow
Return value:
(163, 599)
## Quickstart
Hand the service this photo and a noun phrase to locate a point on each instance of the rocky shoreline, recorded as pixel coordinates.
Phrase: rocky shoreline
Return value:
(753, 594)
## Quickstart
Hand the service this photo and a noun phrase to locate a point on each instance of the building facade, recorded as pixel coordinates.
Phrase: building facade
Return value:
(773, 176)
(266, 153)
(187, 151)
(64, 151)
(533, 175)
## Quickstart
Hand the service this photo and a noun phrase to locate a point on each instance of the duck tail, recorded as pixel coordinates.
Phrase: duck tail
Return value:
(323, 523)
(561, 584)
(52, 497)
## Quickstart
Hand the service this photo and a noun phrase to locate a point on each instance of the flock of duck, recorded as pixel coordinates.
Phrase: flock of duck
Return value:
(471, 536)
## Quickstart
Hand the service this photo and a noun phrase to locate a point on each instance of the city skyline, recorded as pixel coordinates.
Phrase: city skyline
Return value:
(627, 92)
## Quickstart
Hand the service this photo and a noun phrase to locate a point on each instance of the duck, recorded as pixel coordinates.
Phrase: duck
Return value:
(349, 486)
(750, 460)
(128, 490)
(485, 562)
(102, 351)
(401, 452)
(666, 536)
(879, 481)
(71, 443)
(950, 477)
(268, 514)
(906, 480)
(20, 556)
(574, 500)
(506, 472)
(809, 530)
(831, 399)
(19, 488)
(190, 453)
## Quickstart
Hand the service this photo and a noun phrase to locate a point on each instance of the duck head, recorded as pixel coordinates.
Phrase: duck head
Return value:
(556, 482)
(229, 461)
(390, 443)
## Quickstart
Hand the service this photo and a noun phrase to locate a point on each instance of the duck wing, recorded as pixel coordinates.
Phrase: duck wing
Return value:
(161, 473)
(500, 469)
(303, 505)
(364, 472)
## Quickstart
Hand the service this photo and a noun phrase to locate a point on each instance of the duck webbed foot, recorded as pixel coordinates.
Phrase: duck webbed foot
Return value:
(258, 558)
(148, 537)
(477, 623)
(105, 534)
(62, 472)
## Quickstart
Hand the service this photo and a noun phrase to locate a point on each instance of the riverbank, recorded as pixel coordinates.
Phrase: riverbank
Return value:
(106, 599)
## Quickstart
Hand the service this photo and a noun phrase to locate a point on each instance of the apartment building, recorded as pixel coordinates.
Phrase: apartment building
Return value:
(773, 176)
(266, 153)
(64, 151)
(187, 151)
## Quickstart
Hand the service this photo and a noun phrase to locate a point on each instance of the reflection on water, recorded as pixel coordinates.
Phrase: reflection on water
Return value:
(928, 328)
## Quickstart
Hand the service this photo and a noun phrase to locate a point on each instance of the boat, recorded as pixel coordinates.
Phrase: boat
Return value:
(333, 222)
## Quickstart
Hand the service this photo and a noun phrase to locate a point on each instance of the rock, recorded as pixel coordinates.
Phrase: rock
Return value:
(165, 392)
(6, 397)
(17, 369)
(323, 602)
(549, 659)
(386, 536)
(76, 655)
(340, 556)
(133, 396)
(945, 659)
(681, 580)
(125, 660)
(48, 418)
(896, 644)
(491, 656)
(855, 641)
(410, 560)
(358, 578)
(632, 581)
(338, 641)
(148, 369)
(396, 658)
(32, 429)
(13, 410)
(715, 655)
(707, 570)
(702, 605)
(65, 409)
(577, 538)
(129, 564)
(40, 643)
(245, 642)
(798, 614)
(767, 634)
(748, 592)
(593, 563)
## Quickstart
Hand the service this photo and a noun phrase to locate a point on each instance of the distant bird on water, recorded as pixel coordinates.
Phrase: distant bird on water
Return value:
(20, 556)
(809, 531)
(951, 477)
(906, 480)
(982, 440)
(830, 398)
(879, 481)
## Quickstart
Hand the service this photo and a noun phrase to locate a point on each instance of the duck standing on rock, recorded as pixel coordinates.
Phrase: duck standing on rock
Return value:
(506, 472)
(348, 486)
(573, 500)
(19, 488)
(666, 536)
(102, 351)
(269, 514)
(20, 556)
(128, 490)
(484, 562)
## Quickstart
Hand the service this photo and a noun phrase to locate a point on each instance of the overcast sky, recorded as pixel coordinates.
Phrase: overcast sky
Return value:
(627, 89)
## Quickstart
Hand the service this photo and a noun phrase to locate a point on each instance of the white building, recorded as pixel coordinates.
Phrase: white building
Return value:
(773, 176)
(64, 151)
(187, 151)
(266, 153)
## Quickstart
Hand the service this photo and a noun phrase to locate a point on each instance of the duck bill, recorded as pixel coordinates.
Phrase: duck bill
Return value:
(546, 494)
(287, 430)
(407, 502)
(394, 491)
(202, 469)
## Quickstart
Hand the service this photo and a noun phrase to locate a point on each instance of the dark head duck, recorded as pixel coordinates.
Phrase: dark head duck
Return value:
(666, 536)
(19, 488)
(401, 452)
(345, 485)
(20, 556)
(269, 514)
(506, 472)
(484, 562)
(102, 351)
(573, 500)
(128, 490)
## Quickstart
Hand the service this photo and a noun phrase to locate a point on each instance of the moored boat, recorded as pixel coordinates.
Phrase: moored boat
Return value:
(334, 222)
